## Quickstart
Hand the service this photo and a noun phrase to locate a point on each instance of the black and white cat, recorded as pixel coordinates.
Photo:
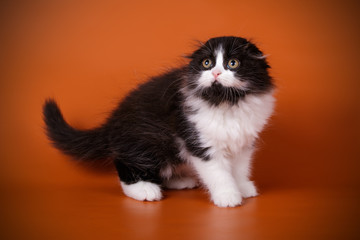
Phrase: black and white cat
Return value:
(197, 122)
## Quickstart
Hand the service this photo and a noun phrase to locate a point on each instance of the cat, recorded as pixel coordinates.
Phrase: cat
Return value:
(196, 124)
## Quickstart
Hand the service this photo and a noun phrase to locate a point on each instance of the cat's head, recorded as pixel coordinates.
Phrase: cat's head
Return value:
(225, 69)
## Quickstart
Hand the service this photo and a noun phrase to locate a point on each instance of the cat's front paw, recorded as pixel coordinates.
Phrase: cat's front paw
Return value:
(142, 191)
(248, 189)
(227, 199)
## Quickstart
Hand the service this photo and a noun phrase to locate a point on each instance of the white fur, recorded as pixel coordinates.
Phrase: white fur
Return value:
(217, 177)
(247, 189)
(229, 132)
(166, 172)
(181, 177)
(229, 129)
(181, 183)
(142, 191)
(241, 172)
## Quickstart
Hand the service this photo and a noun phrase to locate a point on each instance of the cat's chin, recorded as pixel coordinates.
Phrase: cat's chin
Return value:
(217, 94)
(216, 88)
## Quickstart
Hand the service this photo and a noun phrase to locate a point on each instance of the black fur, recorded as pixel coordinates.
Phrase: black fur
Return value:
(141, 133)
(87, 144)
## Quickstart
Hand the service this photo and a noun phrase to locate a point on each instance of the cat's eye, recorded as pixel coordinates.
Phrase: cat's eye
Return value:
(233, 63)
(207, 63)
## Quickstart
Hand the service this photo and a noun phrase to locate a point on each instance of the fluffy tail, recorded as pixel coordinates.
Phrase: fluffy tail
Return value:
(82, 144)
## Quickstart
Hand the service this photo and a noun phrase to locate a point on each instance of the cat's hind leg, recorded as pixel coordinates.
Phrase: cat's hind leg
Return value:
(181, 183)
(182, 177)
(142, 191)
(142, 185)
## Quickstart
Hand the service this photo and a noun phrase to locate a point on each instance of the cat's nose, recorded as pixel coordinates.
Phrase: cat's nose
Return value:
(216, 73)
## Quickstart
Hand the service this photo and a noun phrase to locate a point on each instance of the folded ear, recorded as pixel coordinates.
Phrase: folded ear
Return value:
(188, 56)
(252, 50)
(201, 49)
(255, 53)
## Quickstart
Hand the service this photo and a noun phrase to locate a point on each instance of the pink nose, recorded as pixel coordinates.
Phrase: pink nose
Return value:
(216, 73)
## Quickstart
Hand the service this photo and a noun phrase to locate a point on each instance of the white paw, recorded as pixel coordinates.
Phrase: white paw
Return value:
(248, 189)
(142, 191)
(181, 183)
(227, 199)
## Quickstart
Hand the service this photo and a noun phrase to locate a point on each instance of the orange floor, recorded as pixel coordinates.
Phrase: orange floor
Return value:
(89, 55)
(98, 210)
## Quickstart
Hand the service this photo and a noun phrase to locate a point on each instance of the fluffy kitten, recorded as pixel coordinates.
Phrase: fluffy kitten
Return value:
(199, 121)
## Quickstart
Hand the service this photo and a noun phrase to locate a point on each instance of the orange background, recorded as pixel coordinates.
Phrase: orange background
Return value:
(88, 55)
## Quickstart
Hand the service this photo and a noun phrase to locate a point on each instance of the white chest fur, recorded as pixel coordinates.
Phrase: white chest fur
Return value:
(227, 129)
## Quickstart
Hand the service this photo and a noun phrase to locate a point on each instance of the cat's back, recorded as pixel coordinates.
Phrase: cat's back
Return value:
(156, 98)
